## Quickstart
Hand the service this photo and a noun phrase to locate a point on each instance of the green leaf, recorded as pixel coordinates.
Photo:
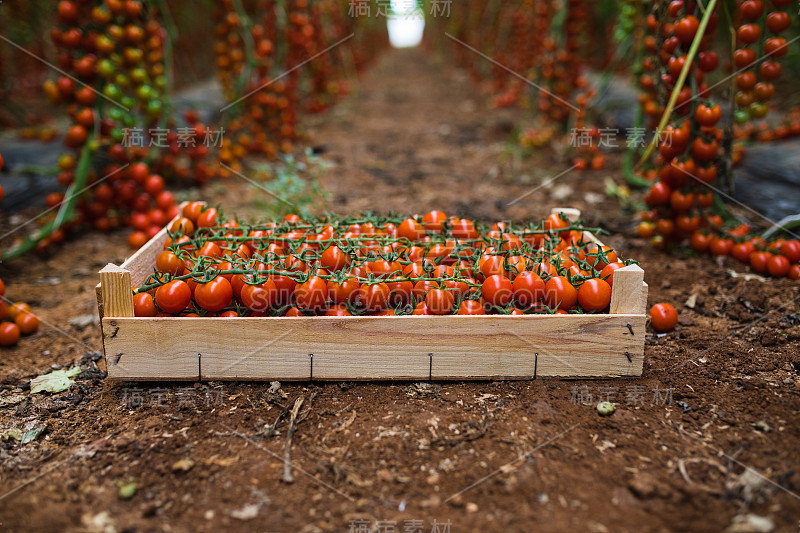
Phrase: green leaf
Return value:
(32, 435)
(56, 381)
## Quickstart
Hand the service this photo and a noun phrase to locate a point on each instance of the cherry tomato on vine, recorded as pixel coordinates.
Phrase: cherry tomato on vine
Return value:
(759, 261)
(215, 295)
(311, 294)
(528, 288)
(259, 297)
(594, 295)
(174, 296)
(778, 266)
(559, 293)
(497, 290)
(144, 305)
(471, 307)
(439, 301)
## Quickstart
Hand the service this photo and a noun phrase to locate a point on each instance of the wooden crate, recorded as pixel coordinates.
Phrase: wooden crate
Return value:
(367, 348)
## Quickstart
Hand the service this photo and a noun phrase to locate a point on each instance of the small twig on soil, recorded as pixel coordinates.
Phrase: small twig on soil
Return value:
(269, 430)
(287, 454)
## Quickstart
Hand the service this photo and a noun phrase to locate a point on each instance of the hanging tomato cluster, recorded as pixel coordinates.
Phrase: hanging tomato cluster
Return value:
(125, 144)
(690, 157)
(422, 265)
(112, 52)
(15, 319)
(759, 46)
(260, 48)
(528, 41)
(690, 145)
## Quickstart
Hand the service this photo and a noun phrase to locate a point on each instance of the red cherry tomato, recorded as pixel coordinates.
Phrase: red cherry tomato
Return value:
(174, 296)
(559, 293)
(214, 295)
(497, 290)
(594, 295)
(663, 317)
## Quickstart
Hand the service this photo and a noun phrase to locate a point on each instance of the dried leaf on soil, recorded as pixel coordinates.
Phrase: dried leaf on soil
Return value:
(55, 381)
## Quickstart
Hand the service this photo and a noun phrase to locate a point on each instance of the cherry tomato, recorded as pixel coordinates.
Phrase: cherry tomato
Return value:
(663, 317)
(18, 308)
(742, 251)
(9, 334)
(27, 323)
(144, 305)
(497, 290)
(338, 310)
(439, 301)
(598, 257)
(708, 115)
(208, 218)
(748, 33)
(775, 47)
(594, 295)
(759, 261)
(720, 246)
(174, 296)
(699, 242)
(464, 229)
(168, 262)
(343, 292)
(778, 266)
(559, 293)
(778, 21)
(528, 288)
(686, 28)
(471, 307)
(259, 297)
(410, 229)
(556, 222)
(752, 9)
(434, 221)
(215, 295)
(790, 249)
(421, 309)
(333, 259)
(311, 294)
(608, 271)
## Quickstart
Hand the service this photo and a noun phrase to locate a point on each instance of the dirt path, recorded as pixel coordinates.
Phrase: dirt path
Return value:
(719, 394)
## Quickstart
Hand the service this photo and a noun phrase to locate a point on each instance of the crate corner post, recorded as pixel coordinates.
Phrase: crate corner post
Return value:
(629, 291)
(116, 291)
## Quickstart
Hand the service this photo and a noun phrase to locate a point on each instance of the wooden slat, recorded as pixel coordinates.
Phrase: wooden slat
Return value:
(571, 213)
(115, 285)
(142, 349)
(463, 347)
(629, 292)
